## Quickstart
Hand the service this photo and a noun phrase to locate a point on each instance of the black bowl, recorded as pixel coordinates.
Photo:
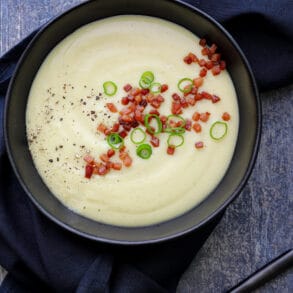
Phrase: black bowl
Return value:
(247, 143)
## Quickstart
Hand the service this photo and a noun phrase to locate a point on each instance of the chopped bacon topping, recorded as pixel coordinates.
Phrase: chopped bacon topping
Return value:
(226, 116)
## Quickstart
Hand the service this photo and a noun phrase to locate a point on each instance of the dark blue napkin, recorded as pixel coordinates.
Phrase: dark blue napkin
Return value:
(41, 256)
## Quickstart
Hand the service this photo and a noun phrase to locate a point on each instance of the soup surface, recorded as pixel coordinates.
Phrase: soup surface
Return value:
(67, 103)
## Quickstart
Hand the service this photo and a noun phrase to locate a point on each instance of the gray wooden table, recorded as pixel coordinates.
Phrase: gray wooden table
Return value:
(257, 226)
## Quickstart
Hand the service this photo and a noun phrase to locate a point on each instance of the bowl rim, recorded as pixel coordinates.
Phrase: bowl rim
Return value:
(160, 239)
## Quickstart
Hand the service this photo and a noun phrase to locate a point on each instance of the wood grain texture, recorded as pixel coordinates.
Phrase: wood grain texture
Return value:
(258, 225)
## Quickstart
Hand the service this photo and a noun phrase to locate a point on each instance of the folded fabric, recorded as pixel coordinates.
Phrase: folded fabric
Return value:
(41, 256)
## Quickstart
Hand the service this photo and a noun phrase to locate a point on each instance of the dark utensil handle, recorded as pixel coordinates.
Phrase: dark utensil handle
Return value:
(267, 272)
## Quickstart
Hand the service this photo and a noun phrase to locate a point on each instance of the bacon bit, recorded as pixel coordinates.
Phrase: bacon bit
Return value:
(164, 88)
(206, 95)
(102, 127)
(127, 127)
(205, 51)
(155, 112)
(126, 118)
(222, 65)
(202, 62)
(115, 127)
(203, 42)
(209, 65)
(190, 100)
(215, 99)
(188, 124)
(135, 91)
(164, 119)
(107, 131)
(123, 133)
(144, 91)
(198, 97)
(127, 161)
(196, 127)
(176, 97)
(139, 108)
(102, 170)
(127, 87)
(199, 145)
(150, 97)
(204, 117)
(125, 111)
(134, 124)
(104, 158)
(196, 116)
(155, 103)
(112, 107)
(216, 57)
(155, 141)
(88, 171)
(124, 101)
(143, 103)
(110, 153)
(130, 98)
(183, 103)
(170, 150)
(138, 98)
(213, 48)
(194, 90)
(160, 98)
(216, 70)
(176, 108)
(138, 115)
(198, 82)
(116, 166)
(193, 57)
(226, 116)
(131, 108)
(89, 159)
(203, 72)
(187, 59)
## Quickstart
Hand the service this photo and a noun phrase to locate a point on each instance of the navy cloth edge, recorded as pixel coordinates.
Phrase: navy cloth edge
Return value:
(265, 35)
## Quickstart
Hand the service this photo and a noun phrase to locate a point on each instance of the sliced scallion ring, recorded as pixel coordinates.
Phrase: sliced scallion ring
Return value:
(148, 76)
(146, 79)
(218, 130)
(115, 141)
(185, 85)
(175, 139)
(144, 151)
(155, 87)
(110, 88)
(144, 83)
(147, 120)
(137, 132)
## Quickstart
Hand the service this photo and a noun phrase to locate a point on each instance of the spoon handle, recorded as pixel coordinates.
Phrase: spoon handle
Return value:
(264, 274)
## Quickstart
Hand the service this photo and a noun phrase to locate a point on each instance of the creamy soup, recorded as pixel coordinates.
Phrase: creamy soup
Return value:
(67, 103)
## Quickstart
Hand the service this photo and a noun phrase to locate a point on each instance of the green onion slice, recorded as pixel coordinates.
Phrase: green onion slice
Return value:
(115, 141)
(144, 84)
(218, 130)
(144, 151)
(146, 79)
(175, 139)
(147, 121)
(137, 136)
(148, 76)
(185, 85)
(177, 118)
(110, 88)
(155, 88)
